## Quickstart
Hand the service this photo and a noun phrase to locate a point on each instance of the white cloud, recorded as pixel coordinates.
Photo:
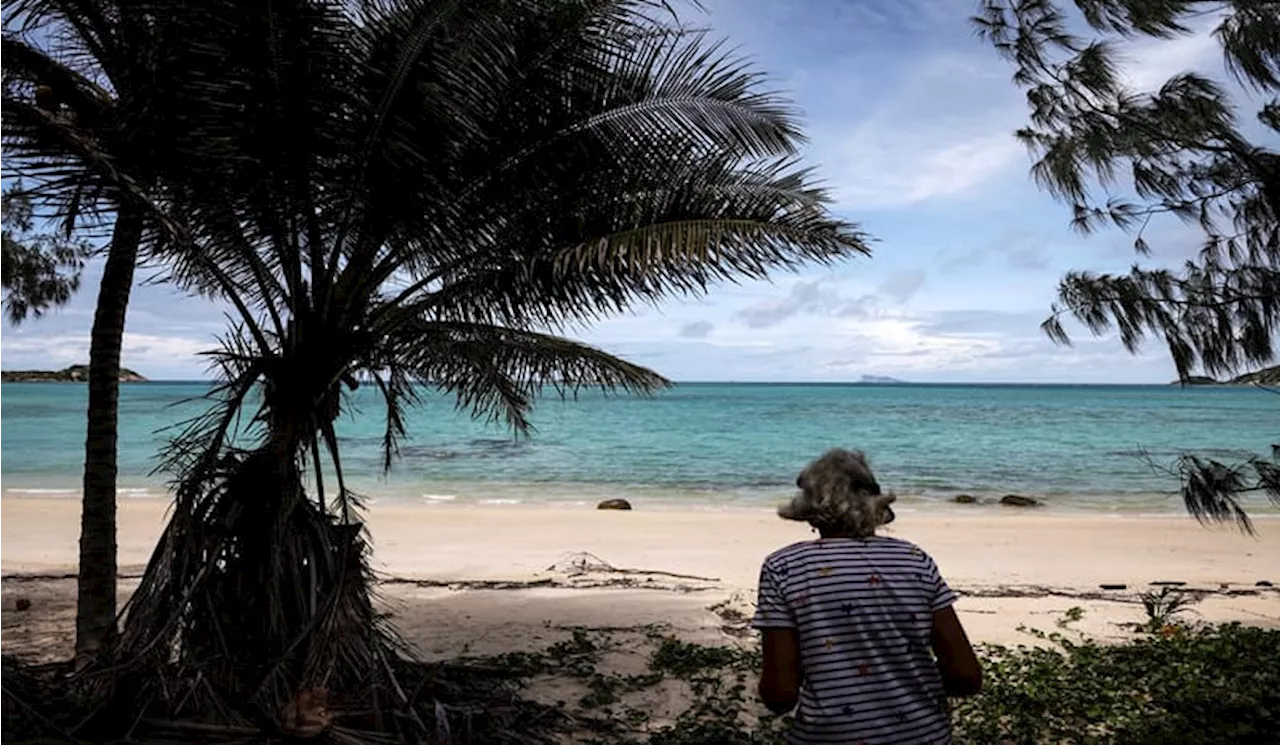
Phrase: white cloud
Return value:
(696, 329)
(937, 127)
(155, 356)
(1148, 64)
(882, 167)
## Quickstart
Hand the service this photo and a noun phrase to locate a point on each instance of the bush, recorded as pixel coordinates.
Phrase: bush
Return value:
(1187, 686)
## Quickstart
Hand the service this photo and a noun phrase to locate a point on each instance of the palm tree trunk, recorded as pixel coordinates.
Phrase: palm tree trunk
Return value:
(96, 588)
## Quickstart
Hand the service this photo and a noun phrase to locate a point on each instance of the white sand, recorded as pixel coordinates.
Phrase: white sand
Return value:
(1011, 567)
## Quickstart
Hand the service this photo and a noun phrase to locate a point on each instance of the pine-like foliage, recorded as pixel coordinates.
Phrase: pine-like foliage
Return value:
(1184, 151)
(41, 269)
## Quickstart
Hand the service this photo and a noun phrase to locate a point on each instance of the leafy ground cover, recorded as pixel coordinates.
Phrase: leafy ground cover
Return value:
(1175, 683)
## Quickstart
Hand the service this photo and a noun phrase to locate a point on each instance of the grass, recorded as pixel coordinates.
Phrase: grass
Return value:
(1181, 683)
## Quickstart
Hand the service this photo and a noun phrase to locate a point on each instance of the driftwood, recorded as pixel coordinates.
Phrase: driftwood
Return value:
(584, 562)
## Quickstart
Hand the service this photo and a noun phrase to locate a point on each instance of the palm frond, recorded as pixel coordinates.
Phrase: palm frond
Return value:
(497, 372)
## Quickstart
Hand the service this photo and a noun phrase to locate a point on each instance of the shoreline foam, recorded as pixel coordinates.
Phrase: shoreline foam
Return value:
(566, 497)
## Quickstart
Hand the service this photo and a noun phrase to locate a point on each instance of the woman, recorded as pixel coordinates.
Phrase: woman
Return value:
(848, 620)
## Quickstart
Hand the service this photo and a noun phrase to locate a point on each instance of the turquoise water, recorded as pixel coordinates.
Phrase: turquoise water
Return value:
(1078, 447)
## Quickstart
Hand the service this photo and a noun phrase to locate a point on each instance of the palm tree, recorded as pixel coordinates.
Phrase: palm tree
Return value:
(102, 108)
(429, 194)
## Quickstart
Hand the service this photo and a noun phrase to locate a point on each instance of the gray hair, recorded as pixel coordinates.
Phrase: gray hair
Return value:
(839, 494)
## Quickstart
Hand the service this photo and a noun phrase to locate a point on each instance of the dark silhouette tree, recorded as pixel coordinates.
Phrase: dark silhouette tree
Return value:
(422, 194)
(102, 110)
(1180, 151)
(40, 269)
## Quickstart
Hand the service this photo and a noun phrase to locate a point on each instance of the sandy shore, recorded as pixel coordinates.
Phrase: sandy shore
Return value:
(476, 580)
(554, 567)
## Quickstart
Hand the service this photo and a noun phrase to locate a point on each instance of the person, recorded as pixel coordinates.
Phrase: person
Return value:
(848, 620)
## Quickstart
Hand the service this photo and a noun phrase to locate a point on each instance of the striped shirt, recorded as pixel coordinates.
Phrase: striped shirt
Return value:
(863, 610)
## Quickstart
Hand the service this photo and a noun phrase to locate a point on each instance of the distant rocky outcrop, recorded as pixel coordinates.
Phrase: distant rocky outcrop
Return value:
(879, 379)
(73, 374)
(1265, 376)
(614, 504)
(965, 499)
(1017, 500)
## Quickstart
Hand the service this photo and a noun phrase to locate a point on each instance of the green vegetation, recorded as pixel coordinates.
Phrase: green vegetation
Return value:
(1177, 153)
(40, 270)
(1211, 685)
(1180, 683)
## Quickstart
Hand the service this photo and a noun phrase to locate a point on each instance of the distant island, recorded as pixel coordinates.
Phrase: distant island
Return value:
(879, 379)
(73, 374)
(1265, 376)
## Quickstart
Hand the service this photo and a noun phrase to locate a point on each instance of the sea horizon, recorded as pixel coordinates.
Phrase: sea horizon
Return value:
(1075, 447)
(978, 383)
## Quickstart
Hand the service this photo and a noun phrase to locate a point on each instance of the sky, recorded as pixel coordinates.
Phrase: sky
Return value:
(910, 120)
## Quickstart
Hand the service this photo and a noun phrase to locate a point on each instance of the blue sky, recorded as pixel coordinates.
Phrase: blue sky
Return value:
(910, 120)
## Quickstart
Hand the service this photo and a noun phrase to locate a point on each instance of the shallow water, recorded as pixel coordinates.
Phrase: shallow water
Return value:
(714, 445)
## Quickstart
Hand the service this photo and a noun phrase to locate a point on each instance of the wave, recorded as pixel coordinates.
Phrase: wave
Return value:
(131, 492)
(500, 501)
(439, 497)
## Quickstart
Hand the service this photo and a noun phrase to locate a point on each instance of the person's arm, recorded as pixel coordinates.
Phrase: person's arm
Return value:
(780, 676)
(779, 643)
(961, 673)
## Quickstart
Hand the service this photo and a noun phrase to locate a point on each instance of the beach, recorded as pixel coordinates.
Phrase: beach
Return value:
(614, 590)
(490, 579)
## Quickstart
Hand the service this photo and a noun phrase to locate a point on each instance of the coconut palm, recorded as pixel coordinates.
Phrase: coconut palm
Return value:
(428, 195)
(102, 107)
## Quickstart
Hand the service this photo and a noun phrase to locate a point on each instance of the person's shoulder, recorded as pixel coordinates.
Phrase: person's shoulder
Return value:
(899, 545)
(789, 552)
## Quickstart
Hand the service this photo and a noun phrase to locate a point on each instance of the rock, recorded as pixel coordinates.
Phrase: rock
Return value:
(1113, 587)
(614, 504)
(965, 499)
(1263, 583)
(22, 604)
(1168, 583)
(1014, 500)
(73, 374)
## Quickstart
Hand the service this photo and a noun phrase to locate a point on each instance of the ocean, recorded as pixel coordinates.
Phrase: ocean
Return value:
(1078, 448)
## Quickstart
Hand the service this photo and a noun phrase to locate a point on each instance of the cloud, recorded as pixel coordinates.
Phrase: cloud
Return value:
(902, 286)
(883, 167)
(1148, 64)
(155, 356)
(696, 330)
(816, 297)
(931, 123)
(1016, 248)
(989, 323)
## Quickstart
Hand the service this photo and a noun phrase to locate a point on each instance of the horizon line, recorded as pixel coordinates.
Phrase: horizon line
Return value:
(864, 383)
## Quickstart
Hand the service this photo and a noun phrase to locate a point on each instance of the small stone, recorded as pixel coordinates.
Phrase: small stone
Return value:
(614, 504)
(1113, 587)
(1168, 583)
(23, 604)
(1015, 500)
(965, 499)
(1263, 583)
